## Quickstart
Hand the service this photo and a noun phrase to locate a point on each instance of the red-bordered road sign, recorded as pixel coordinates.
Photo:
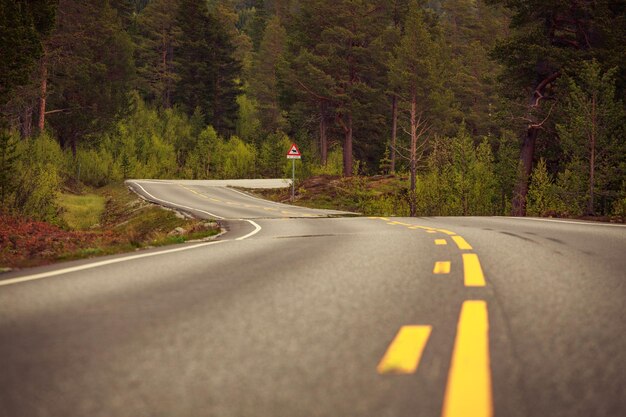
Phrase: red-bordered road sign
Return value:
(294, 152)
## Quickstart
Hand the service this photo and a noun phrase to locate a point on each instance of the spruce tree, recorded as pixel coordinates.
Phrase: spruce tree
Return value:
(206, 67)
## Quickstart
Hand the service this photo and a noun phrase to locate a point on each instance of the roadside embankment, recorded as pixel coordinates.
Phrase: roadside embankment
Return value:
(100, 222)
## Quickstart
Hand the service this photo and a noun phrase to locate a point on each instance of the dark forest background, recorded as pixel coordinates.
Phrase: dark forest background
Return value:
(485, 107)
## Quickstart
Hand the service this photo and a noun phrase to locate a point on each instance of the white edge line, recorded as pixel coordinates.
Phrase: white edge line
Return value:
(567, 221)
(50, 274)
(256, 230)
(102, 263)
(174, 204)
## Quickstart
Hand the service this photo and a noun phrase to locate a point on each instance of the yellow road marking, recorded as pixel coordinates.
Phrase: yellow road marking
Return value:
(472, 271)
(442, 267)
(441, 242)
(447, 232)
(431, 231)
(468, 392)
(215, 199)
(404, 354)
(461, 243)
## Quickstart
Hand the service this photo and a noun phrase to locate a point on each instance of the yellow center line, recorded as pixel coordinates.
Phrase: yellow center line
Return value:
(441, 242)
(404, 353)
(472, 271)
(442, 267)
(461, 243)
(431, 231)
(447, 232)
(468, 392)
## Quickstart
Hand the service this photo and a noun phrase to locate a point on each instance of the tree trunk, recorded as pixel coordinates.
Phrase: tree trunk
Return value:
(394, 132)
(413, 156)
(323, 136)
(43, 93)
(347, 147)
(592, 156)
(526, 157)
(528, 147)
(26, 122)
(165, 76)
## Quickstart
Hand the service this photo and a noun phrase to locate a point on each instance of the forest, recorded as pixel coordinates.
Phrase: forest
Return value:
(481, 107)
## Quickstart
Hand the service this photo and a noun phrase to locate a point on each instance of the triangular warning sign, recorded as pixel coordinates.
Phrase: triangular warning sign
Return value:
(294, 152)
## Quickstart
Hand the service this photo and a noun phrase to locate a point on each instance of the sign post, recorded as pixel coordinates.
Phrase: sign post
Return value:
(293, 154)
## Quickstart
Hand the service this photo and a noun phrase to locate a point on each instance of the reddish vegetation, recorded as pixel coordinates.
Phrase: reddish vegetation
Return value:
(28, 243)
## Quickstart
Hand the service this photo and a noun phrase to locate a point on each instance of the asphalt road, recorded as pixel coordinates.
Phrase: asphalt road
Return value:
(295, 312)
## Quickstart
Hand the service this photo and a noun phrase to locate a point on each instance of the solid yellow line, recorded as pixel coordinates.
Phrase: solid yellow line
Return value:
(431, 231)
(404, 354)
(461, 243)
(468, 393)
(441, 267)
(441, 242)
(472, 271)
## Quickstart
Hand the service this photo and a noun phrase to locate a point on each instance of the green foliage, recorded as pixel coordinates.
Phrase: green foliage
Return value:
(39, 170)
(272, 161)
(239, 159)
(619, 205)
(459, 180)
(8, 159)
(543, 197)
(81, 212)
(92, 79)
(207, 69)
(264, 76)
(592, 131)
(157, 42)
(23, 26)
(248, 123)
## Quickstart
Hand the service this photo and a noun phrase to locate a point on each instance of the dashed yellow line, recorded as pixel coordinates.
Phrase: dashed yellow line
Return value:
(472, 271)
(441, 242)
(461, 243)
(447, 232)
(404, 353)
(442, 267)
(469, 389)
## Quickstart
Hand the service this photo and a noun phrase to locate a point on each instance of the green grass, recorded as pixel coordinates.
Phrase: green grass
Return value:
(81, 212)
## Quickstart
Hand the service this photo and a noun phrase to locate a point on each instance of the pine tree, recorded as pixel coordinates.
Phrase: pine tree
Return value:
(208, 72)
(340, 63)
(24, 24)
(8, 157)
(91, 68)
(542, 195)
(157, 41)
(548, 38)
(592, 128)
(264, 76)
(413, 72)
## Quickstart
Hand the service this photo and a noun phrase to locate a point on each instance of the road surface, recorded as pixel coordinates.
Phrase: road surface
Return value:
(298, 312)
